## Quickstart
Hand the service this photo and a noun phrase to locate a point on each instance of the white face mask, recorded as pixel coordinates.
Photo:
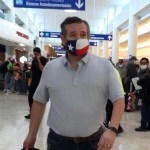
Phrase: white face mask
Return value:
(135, 62)
(120, 65)
(143, 67)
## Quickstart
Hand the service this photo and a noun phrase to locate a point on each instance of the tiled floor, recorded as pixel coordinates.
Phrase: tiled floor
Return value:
(14, 127)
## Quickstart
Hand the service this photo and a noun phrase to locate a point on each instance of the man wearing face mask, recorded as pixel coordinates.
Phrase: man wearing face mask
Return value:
(131, 72)
(122, 69)
(144, 81)
(78, 86)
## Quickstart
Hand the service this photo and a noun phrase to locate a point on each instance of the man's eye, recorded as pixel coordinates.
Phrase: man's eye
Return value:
(83, 35)
(72, 35)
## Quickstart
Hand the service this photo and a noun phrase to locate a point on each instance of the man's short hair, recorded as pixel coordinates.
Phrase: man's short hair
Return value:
(37, 49)
(120, 61)
(146, 59)
(70, 20)
(133, 58)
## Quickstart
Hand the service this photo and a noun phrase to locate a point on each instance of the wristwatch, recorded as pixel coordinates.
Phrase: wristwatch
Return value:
(113, 129)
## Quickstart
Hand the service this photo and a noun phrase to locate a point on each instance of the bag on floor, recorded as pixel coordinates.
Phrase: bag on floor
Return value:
(130, 103)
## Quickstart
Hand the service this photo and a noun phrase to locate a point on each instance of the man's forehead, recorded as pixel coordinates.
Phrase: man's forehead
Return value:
(36, 53)
(144, 61)
(76, 27)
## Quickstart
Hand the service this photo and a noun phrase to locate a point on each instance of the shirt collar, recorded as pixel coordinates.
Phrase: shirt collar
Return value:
(85, 59)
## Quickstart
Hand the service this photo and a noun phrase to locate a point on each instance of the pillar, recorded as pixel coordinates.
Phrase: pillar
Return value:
(132, 32)
(115, 41)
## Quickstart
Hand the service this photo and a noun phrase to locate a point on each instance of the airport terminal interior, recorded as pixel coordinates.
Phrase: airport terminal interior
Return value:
(119, 31)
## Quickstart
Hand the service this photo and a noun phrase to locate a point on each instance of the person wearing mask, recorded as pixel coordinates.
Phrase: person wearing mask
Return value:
(131, 72)
(122, 69)
(144, 82)
(78, 86)
(37, 66)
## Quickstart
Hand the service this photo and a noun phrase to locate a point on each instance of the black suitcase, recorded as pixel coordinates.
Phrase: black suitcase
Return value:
(23, 87)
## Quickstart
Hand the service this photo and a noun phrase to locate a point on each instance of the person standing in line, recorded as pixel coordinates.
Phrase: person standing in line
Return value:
(144, 82)
(37, 66)
(122, 69)
(131, 72)
(78, 86)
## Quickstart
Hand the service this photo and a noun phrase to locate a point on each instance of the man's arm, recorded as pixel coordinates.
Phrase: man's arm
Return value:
(108, 138)
(40, 65)
(118, 110)
(41, 62)
(36, 117)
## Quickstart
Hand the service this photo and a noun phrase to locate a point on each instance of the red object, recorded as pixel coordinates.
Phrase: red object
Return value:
(130, 104)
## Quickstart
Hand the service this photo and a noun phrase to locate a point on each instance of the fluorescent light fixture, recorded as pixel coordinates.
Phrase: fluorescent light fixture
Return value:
(70, 10)
(120, 57)
(23, 59)
(21, 44)
(50, 45)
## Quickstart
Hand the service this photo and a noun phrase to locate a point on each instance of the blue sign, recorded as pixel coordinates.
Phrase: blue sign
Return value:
(49, 34)
(101, 37)
(92, 36)
(51, 4)
(93, 43)
(59, 49)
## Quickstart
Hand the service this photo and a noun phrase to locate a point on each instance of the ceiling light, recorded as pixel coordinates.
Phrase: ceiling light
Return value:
(21, 44)
(50, 45)
(70, 10)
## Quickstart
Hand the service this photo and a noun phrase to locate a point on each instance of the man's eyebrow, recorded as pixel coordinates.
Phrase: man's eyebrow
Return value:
(73, 32)
(83, 32)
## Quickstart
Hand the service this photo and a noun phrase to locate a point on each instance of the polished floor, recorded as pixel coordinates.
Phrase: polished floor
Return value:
(14, 127)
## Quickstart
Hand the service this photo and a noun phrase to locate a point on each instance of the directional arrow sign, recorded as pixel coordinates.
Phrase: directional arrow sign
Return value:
(51, 4)
(101, 37)
(46, 34)
(93, 43)
(92, 36)
(79, 4)
(41, 34)
(110, 37)
(59, 49)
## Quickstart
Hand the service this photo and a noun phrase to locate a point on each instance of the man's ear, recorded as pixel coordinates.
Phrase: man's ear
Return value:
(63, 40)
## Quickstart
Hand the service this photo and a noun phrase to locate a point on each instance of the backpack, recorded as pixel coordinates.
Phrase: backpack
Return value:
(3, 67)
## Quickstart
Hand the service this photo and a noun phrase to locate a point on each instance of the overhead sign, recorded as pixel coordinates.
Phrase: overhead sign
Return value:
(101, 37)
(49, 34)
(46, 34)
(51, 4)
(22, 35)
(59, 49)
(93, 43)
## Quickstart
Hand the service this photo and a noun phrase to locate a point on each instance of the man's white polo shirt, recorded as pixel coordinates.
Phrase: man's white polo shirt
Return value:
(78, 98)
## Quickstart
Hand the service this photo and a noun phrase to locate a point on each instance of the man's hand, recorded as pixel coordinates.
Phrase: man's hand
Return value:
(29, 142)
(38, 57)
(107, 140)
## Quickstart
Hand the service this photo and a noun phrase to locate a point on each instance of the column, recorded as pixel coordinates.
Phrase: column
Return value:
(105, 43)
(132, 32)
(115, 45)
(115, 41)
(105, 49)
(93, 50)
(98, 49)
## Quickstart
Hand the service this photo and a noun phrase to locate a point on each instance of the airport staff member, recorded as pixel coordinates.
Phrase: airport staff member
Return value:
(78, 85)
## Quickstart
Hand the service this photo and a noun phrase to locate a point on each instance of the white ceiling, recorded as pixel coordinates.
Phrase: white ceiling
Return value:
(95, 13)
